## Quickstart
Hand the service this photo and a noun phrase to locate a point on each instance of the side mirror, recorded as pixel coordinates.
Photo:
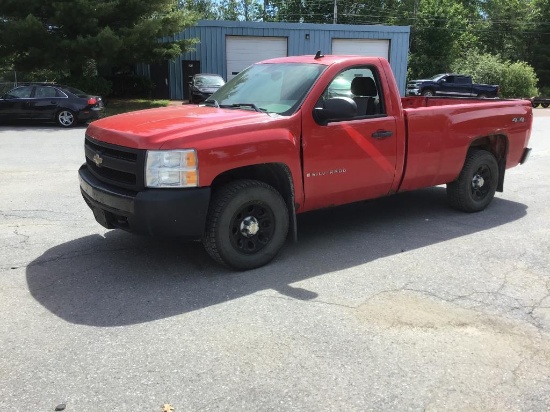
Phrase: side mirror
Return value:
(336, 108)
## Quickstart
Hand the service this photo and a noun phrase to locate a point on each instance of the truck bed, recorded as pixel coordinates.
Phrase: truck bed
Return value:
(439, 132)
(414, 102)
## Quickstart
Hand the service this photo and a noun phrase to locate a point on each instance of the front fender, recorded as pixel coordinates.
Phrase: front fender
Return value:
(279, 145)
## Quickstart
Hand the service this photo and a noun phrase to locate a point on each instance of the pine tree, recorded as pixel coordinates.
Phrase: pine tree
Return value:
(68, 34)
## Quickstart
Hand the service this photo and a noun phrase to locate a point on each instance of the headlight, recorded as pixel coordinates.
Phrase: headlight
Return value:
(171, 168)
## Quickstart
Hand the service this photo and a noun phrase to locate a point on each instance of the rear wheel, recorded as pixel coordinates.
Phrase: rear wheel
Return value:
(65, 118)
(476, 185)
(247, 224)
(481, 96)
(545, 105)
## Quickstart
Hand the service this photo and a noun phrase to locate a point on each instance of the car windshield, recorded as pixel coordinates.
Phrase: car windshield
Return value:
(73, 90)
(272, 87)
(209, 81)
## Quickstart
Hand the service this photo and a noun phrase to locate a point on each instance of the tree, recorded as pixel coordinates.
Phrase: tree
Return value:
(241, 10)
(441, 33)
(541, 52)
(206, 9)
(507, 28)
(516, 79)
(68, 34)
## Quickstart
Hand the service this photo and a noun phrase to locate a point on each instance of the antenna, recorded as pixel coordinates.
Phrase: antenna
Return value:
(318, 55)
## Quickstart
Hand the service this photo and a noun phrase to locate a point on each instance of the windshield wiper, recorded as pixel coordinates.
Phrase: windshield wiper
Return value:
(239, 105)
(214, 102)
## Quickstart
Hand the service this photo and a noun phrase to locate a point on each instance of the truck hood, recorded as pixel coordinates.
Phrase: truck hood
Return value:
(151, 129)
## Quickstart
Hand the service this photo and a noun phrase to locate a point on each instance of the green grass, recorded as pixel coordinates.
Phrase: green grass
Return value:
(117, 106)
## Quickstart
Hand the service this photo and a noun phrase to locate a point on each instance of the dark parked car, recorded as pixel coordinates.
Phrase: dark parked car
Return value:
(450, 84)
(203, 85)
(540, 101)
(50, 102)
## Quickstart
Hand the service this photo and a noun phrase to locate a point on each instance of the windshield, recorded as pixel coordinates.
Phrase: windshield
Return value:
(212, 81)
(275, 88)
(437, 77)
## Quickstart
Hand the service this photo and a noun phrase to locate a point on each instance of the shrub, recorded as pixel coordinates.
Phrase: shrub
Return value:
(131, 85)
(93, 85)
(521, 81)
(515, 79)
(545, 91)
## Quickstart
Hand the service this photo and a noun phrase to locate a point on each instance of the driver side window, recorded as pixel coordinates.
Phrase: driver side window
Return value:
(361, 85)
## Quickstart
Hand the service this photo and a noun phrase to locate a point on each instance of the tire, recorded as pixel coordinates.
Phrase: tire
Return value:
(247, 224)
(535, 105)
(481, 96)
(476, 185)
(65, 118)
(428, 93)
(545, 105)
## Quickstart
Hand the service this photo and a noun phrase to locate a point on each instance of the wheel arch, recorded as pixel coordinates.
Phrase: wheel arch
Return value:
(498, 145)
(428, 89)
(277, 175)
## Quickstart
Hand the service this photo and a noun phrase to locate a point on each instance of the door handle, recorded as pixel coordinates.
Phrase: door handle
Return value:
(382, 134)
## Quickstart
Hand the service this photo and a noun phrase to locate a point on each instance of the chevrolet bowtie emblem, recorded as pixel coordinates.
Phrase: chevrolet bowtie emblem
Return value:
(97, 159)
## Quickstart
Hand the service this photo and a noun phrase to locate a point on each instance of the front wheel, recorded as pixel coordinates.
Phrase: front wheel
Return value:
(66, 118)
(476, 185)
(247, 224)
(428, 93)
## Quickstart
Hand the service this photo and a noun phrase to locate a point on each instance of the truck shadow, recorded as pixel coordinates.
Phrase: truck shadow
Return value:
(122, 279)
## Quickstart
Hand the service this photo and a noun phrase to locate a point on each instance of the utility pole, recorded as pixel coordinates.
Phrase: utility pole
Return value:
(335, 12)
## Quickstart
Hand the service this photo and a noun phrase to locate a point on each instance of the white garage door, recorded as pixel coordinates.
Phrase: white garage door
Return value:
(361, 47)
(242, 51)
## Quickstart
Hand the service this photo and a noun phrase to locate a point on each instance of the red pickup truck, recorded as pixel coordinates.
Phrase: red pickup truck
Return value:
(287, 136)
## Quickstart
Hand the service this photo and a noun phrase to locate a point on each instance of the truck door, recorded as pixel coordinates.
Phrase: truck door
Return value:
(350, 160)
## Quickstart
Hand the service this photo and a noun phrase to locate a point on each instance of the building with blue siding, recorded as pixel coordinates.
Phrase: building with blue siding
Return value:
(227, 47)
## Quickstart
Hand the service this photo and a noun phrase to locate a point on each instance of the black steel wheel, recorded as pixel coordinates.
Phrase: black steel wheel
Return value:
(247, 224)
(476, 185)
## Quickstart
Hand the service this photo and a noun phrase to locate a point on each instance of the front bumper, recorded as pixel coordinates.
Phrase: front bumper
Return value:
(154, 212)
(413, 92)
(200, 96)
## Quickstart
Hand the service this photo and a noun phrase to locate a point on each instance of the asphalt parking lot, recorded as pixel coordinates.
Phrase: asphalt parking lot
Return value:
(399, 304)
